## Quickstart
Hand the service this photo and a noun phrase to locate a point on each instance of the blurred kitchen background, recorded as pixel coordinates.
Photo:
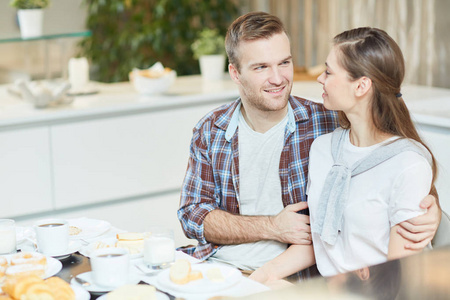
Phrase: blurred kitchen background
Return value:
(137, 33)
(119, 155)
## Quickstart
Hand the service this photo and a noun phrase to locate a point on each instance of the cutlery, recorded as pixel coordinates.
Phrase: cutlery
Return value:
(82, 282)
(145, 272)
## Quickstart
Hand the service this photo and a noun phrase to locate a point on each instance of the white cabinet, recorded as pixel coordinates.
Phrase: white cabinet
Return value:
(25, 176)
(121, 157)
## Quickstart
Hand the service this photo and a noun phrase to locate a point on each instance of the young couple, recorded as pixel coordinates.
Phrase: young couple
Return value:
(247, 182)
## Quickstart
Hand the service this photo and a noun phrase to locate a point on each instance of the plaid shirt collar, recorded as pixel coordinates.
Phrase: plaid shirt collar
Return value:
(230, 120)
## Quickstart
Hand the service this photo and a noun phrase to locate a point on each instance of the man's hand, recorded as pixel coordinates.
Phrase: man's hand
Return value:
(421, 230)
(291, 227)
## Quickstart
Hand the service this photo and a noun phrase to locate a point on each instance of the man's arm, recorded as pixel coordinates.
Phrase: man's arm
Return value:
(288, 226)
(421, 230)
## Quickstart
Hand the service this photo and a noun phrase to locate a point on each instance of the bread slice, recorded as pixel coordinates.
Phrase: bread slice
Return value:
(134, 292)
(130, 236)
(215, 275)
(195, 275)
(179, 271)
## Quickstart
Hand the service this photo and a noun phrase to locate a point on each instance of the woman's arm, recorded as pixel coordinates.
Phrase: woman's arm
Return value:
(294, 259)
(397, 245)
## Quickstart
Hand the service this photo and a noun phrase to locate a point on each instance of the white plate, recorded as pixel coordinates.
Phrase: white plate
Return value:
(89, 227)
(74, 246)
(111, 241)
(159, 296)
(93, 288)
(80, 293)
(53, 265)
(230, 274)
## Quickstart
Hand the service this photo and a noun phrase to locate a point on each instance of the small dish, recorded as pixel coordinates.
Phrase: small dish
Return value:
(74, 246)
(231, 276)
(93, 288)
(80, 293)
(53, 265)
(159, 296)
(89, 228)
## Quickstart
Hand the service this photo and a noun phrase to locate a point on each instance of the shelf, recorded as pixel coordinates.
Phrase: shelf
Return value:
(47, 36)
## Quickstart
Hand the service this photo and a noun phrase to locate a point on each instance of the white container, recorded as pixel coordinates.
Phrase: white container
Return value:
(52, 236)
(7, 236)
(78, 73)
(159, 248)
(212, 67)
(30, 22)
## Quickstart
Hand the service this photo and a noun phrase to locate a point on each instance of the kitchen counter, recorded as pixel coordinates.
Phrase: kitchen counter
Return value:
(428, 105)
(113, 99)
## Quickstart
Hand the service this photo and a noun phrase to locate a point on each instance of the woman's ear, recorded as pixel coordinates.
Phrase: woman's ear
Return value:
(234, 73)
(364, 84)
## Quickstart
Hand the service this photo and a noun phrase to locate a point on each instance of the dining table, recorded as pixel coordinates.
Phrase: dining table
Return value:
(424, 275)
(77, 264)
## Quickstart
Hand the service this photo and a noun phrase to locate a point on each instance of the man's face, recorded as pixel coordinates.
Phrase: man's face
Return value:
(265, 78)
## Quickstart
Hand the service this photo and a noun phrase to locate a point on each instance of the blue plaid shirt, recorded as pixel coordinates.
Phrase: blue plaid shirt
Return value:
(212, 176)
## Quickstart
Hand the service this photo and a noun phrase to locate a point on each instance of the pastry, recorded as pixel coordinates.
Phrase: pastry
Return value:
(133, 292)
(15, 287)
(25, 270)
(3, 261)
(35, 288)
(61, 289)
(28, 258)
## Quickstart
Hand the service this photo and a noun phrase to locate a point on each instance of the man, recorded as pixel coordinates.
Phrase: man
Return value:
(248, 165)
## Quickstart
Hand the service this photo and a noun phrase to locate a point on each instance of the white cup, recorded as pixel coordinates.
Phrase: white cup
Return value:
(110, 267)
(159, 248)
(7, 236)
(52, 236)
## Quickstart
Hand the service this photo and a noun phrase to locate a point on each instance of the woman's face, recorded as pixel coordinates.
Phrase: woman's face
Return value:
(338, 89)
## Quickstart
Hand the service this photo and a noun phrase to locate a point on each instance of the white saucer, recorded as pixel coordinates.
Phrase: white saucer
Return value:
(80, 293)
(159, 296)
(74, 246)
(93, 288)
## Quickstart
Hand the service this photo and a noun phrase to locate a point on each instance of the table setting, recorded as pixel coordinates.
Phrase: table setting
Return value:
(98, 261)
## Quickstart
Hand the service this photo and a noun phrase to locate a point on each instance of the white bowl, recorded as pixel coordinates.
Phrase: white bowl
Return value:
(147, 85)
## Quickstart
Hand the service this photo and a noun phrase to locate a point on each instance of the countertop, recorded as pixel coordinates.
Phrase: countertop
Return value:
(428, 105)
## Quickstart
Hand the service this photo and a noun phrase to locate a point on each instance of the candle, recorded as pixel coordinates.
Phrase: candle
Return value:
(78, 72)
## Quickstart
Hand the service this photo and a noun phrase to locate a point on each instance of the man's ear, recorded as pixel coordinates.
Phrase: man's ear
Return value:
(364, 84)
(234, 73)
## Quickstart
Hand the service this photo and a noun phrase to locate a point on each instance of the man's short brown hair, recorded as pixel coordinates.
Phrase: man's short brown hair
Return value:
(250, 27)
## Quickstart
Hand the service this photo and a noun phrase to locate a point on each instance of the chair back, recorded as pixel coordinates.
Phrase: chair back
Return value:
(442, 237)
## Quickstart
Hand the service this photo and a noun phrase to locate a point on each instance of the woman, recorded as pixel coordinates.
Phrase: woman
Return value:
(370, 174)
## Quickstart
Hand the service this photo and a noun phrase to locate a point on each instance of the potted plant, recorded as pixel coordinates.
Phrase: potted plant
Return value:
(209, 49)
(31, 16)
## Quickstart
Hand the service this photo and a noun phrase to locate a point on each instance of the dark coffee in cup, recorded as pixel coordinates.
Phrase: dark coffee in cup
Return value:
(51, 225)
(109, 255)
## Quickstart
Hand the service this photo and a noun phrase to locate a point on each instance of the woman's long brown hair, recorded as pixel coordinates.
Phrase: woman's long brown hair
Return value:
(372, 53)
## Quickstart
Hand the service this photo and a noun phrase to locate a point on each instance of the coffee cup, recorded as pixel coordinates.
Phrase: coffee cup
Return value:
(110, 267)
(7, 236)
(159, 248)
(52, 236)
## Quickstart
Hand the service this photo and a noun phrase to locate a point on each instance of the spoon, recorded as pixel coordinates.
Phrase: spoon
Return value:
(82, 282)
